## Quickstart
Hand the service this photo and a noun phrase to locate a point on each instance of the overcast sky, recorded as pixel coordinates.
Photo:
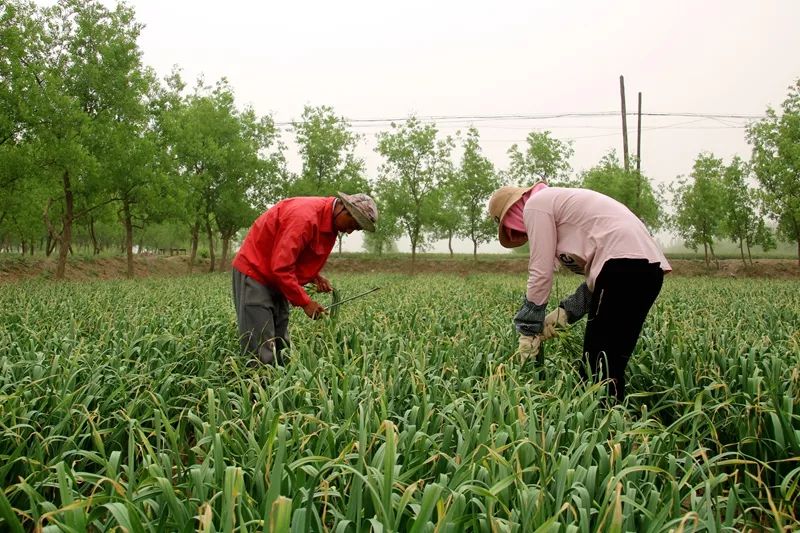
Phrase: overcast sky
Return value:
(372, 59)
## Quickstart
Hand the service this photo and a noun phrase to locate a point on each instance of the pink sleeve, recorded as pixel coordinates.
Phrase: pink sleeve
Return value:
(541, 229)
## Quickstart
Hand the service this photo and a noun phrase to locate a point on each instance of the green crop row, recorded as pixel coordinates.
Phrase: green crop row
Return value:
(127, 405)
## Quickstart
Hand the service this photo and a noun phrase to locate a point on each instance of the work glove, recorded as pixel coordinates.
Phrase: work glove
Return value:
(313, 310)
(529, 347)
(555, 320)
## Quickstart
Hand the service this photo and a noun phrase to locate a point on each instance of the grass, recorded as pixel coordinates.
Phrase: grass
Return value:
(126, 404)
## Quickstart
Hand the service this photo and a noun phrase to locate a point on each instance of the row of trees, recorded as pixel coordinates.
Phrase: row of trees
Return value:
(749, 202)
(96, 150)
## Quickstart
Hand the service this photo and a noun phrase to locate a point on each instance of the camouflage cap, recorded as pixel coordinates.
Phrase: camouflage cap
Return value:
(362, 208)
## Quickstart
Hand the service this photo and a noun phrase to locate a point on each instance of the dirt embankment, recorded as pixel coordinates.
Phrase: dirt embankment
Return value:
(761, 268)
(14, 268)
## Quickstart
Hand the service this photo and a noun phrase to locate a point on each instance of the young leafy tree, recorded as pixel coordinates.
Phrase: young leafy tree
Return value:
(201, 132)
(450, 215)
(543, 158)
(416, 165)
(776, 163)
(742, 222)
(327, 148)
(255, 167)
(699, 205)
(80, 67)
(476, 180)
(129, 159)
(386, 231)
(22, 45)
(630, 188)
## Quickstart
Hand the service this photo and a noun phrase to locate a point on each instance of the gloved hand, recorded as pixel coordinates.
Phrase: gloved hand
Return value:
(529, 347)
(555, 319)
(313, 310)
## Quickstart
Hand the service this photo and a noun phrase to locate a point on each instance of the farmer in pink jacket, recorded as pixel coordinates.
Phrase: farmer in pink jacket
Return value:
(599, 238)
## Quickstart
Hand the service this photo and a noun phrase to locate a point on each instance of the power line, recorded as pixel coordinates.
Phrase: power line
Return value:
(539, 116)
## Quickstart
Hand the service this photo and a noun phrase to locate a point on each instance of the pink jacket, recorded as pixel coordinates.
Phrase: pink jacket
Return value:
(582, 229)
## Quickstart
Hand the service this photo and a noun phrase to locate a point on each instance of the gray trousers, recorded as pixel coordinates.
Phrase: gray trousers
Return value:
(263, 316)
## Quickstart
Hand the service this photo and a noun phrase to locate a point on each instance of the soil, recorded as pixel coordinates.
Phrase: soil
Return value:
(15, 267)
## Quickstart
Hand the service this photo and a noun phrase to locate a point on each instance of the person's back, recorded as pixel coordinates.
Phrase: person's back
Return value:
(267, 240)
(587, 229)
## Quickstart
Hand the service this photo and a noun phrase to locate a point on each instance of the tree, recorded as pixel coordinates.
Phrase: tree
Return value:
(255, 166)
(476, 180)
(698, 204)
(776, 163)
(80, 66)
(416, 165)
(327, 148)
(630, 188)
(200, 131)
(450, 215)
(128, 159)
(544, 158)
(386, 231)
(742, 222)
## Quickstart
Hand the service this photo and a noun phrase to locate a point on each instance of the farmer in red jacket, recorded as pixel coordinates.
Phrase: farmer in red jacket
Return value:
(285, 248)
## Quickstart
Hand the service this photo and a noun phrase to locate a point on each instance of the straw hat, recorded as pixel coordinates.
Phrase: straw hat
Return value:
(499, 204)
(362, 208)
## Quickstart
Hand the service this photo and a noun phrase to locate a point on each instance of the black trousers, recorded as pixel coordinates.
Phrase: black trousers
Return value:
(623, 294)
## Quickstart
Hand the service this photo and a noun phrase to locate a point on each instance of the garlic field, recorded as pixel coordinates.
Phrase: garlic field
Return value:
(125, 405)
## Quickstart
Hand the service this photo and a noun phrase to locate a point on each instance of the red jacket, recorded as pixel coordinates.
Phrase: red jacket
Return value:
(287, 246)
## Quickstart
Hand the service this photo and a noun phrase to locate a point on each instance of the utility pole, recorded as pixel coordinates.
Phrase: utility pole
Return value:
(624, 123)
(639, 137)
(639, 153)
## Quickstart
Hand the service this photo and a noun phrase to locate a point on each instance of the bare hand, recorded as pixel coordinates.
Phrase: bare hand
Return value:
(323, 285)
(313, 310)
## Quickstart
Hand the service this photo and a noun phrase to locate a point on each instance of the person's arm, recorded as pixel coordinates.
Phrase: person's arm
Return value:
(292, 238)
(577, 304)
(541, 229)
(322, 283)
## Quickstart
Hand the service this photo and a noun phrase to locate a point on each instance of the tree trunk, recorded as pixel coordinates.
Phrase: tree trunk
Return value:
(65, 241)
(741, 250)
(474, 250)
(33, 242)
(749, 255)
(450, 243)
(713, 255)
(195, 232)
(49, 245)
(223, 263)
(95, 247)
(210, 235)
(24, 247)
(126, 220)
